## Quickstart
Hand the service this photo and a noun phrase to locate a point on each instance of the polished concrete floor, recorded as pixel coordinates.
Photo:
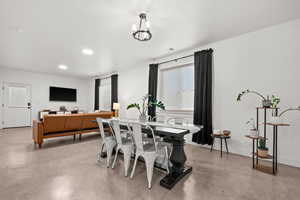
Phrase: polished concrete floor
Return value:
(65, 170)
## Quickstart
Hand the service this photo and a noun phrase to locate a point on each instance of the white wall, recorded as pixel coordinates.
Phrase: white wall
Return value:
(266, 60)
(132, 85)
(40, 89)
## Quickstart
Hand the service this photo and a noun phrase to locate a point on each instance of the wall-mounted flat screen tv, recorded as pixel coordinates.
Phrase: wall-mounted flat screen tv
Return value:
(63, 94)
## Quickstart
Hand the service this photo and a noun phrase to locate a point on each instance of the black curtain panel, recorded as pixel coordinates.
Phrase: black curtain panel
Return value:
(203, 95)
(114, 89)
(97, 85)
(152, 87)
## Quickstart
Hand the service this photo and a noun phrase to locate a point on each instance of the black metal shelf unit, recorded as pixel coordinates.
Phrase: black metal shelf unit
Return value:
(255, 157)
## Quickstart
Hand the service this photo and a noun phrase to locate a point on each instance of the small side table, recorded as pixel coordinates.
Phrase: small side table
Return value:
(221, 137)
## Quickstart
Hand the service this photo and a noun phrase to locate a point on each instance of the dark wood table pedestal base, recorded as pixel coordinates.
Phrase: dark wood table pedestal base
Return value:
(171, 179)
(178, 169)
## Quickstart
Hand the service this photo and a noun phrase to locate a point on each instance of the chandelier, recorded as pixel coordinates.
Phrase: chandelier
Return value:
(142, 32)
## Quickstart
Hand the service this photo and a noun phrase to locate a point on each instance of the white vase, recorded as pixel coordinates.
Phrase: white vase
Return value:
(254, 133)
(276, 120)
(143, 118)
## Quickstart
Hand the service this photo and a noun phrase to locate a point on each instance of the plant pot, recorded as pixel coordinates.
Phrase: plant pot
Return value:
(143, 118)
(276, 120)
(262, 152)
(226, 132)
(266, 103)
(253, 133)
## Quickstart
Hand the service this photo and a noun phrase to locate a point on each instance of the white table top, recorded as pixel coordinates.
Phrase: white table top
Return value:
(166, 126)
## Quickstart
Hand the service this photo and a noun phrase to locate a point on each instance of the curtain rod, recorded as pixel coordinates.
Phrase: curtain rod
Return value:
(176, 59)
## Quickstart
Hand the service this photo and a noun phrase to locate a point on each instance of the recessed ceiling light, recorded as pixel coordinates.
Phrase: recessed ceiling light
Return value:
(63, 67)
(87, 51)
(171, 49)
(19, 30)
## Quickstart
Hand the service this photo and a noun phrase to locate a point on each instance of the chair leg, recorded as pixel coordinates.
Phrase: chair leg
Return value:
(134, 165)
(116, 155)
(109, 151)
(99, 154)
(127, 156)
(149, 160)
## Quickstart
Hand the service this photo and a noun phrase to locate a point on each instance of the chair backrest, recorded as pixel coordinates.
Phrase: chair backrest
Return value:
(138, 136)
(100, 124)
(115, 124)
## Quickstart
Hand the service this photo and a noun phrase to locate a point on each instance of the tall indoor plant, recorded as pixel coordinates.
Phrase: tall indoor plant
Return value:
(266, 102)
(146, 102)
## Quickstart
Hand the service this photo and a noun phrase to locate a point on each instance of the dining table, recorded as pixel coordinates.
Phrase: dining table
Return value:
(171, 133)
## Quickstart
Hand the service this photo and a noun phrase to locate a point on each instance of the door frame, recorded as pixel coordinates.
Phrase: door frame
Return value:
(2, 84)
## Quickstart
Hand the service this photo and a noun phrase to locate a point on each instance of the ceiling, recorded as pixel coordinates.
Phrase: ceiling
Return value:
(39, 35)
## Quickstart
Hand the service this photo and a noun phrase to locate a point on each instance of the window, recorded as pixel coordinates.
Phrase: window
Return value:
(177, 88)
(105, 94)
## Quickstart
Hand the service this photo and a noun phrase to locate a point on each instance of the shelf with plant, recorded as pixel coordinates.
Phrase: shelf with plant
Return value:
(266, 102)
(263, 149)
(278, 120)
(253, 132)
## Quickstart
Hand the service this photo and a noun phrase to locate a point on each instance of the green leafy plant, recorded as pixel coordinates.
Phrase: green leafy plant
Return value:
(239, 97)
(147, 101)
(134, 105)
(158, 104)
(262, 144)
(274, 101)
(289, 109)
(252, 124)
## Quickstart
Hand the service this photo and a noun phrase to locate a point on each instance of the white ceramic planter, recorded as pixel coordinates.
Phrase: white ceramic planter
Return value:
(254, 133)
(276, 120)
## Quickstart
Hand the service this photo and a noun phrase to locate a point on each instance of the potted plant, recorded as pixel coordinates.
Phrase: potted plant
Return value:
(278, 119)
(147, 102)
(262, 149)
(253, 128)
(266, 102)
(274, 101)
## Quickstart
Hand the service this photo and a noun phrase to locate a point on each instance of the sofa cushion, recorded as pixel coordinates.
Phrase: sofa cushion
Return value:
(54, 123)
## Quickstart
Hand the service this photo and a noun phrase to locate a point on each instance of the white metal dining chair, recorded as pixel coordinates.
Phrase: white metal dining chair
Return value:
(149, 151)
(108, 141)
(123, 143)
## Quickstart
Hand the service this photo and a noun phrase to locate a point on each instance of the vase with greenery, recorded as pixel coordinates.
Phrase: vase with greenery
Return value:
(262, 149)
(266, 102)
(274, 101)
(278, 119)
(146, 102)
(253, 128)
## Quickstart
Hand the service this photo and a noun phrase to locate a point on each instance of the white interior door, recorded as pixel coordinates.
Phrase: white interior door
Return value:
(16, 105)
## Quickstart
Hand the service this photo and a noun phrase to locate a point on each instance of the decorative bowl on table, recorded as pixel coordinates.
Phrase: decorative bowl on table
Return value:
(217, 132)
(226, 132)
